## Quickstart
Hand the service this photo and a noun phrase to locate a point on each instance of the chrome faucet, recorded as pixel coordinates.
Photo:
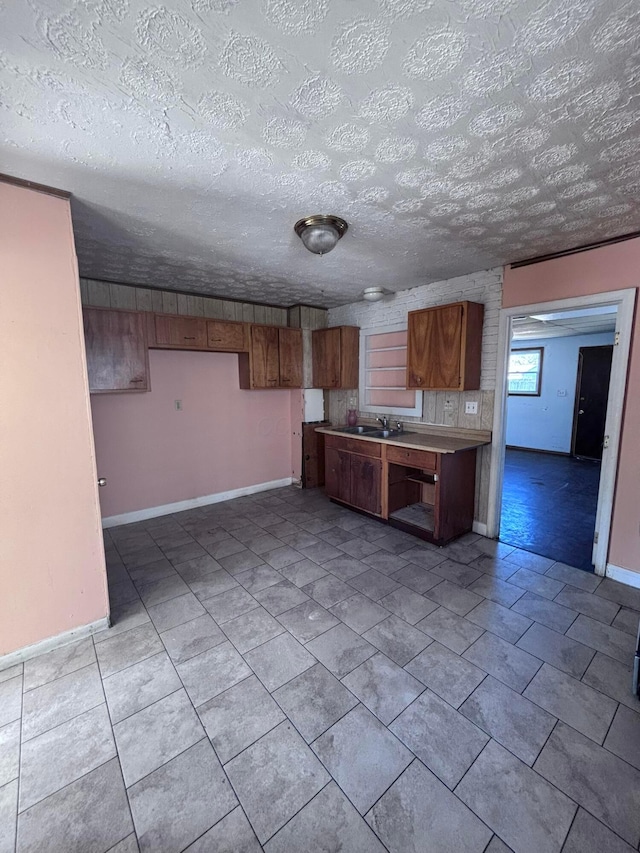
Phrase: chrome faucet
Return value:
(384, 421)
(399, 426)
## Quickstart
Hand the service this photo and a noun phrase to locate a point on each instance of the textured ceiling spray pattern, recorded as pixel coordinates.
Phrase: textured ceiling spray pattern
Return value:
(453, 135)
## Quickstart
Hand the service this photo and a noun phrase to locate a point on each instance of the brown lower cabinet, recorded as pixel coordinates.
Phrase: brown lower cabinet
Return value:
(429, 494)
(353, 478)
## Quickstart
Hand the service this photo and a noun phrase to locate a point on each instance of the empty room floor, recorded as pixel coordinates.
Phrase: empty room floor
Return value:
(284, 674)
(549, 505)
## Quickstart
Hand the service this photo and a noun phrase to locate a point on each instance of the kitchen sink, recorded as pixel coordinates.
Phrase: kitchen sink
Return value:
(357, 430)
(372, 432)
(388, 433)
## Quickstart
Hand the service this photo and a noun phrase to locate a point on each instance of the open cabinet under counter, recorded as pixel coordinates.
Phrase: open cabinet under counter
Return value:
(426, 492)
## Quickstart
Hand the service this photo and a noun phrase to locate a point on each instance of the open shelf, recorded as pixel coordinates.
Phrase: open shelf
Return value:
(418, 477)
(417, 515)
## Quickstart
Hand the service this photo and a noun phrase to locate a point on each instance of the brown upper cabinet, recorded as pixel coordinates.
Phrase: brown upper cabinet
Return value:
(335, 357)
(290, 357)
(274, 359)
(173, 331)
(444, 347)
(116, 346)
(176, 332)
(227, 336)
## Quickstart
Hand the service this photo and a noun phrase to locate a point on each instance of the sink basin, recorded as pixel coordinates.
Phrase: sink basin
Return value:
(388, 433)
(357, 430)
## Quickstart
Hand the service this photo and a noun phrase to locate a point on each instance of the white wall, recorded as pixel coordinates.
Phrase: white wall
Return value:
(546, 422)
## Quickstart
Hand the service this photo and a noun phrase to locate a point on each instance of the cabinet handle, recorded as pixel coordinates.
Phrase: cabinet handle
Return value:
(136, 380)
(215, 340)
(285, 380)
(185, 338)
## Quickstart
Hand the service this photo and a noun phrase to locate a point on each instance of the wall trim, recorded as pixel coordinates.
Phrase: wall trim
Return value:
(31, 185)
(192, 503)
(52, 643)
(480, 527)
(626, 576)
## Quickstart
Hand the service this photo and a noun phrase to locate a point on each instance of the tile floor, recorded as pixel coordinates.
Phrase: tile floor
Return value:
(283, 674)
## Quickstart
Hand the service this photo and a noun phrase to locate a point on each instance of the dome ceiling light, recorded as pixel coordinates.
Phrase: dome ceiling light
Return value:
(320, 233)
(373, 294)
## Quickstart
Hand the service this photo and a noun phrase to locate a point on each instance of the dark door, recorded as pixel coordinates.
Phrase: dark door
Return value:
(592, 392)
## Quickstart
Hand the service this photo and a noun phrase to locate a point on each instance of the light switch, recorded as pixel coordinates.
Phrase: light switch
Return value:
(471, 408)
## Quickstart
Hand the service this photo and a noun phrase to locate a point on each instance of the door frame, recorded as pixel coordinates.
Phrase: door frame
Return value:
(624, 300)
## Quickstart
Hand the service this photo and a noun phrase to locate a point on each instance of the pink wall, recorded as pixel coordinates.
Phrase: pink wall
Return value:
(615, 267)
(52, 571)
(223, 438)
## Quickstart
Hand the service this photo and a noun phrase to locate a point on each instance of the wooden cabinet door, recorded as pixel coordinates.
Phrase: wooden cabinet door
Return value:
(265, 368)
(290, 356)
(180, 332)
(337, 477)
(225, 336)
(434, 348)
(366, 476)
(326, 358)
(116, 348)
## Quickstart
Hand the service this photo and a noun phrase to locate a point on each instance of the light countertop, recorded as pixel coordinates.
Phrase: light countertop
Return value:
(436, 442)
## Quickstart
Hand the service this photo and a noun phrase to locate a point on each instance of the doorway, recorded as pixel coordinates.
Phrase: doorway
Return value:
(557, 390)
(587, 312)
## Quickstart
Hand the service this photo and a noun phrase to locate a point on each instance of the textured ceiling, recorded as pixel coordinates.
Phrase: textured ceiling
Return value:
(453, 135)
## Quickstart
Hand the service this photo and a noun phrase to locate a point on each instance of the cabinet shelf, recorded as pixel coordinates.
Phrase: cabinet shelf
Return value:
(417, 477)
(419, 515)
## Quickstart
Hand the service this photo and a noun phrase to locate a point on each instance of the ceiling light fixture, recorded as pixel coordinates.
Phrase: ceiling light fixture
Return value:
(320, 233)
(373, 294)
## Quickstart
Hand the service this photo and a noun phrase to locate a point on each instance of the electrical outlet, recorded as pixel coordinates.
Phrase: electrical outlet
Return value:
(471, 408)
(562, 392)
(178, 404)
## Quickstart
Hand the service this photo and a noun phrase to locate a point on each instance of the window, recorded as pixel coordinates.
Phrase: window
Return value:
(383, 373)
(525, 372)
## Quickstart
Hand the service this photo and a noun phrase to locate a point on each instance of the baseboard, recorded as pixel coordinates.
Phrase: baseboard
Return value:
(480, 528)
(617, 573)
(52, 643)
(538, 450)
(192, 503)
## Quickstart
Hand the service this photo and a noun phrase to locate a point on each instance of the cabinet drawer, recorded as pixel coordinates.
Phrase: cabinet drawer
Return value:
(424, 459)
(229, 337)
(354, 445)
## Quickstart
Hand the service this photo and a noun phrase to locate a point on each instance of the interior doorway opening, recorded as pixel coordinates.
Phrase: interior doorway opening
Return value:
(549, 488)
(557, 392)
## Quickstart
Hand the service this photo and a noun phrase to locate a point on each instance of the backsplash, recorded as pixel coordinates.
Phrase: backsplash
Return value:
(445, 408)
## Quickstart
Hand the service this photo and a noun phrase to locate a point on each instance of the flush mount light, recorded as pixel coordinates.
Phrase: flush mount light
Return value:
(320, 233)
(373, 294)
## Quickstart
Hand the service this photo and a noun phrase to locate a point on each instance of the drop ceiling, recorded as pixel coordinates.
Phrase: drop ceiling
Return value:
(563, 324)
(453, 135)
